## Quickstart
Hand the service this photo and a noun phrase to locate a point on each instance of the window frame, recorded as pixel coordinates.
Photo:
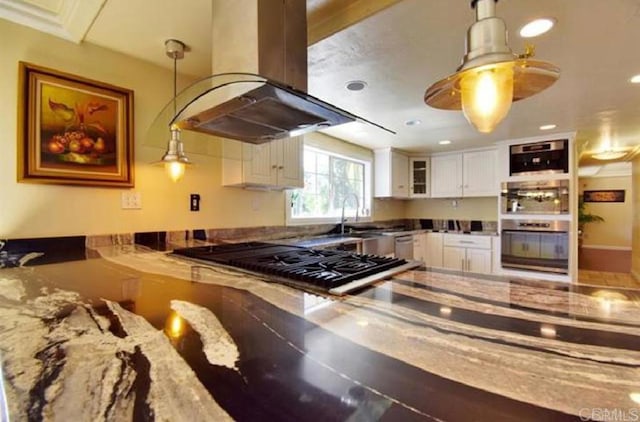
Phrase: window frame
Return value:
(368, 193)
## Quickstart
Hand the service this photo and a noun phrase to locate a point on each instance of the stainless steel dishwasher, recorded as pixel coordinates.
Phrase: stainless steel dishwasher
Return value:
(404, 247)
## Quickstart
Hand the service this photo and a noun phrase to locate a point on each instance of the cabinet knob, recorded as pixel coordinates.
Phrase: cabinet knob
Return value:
(280, 167)
(274, 166)
(400, 186)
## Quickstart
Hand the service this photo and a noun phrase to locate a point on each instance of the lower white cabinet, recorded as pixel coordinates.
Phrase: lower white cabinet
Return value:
(419, 244)
(432, 251)
(467, 253)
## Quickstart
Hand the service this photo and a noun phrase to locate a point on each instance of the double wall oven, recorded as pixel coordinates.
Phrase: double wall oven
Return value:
(537, 245)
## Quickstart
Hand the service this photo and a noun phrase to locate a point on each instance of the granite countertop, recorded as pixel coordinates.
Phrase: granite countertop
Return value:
(134, 334)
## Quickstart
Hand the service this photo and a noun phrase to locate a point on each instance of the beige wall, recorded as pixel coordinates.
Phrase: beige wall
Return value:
(614, 230)
(635, 238)
(36, 210)
(466, 209)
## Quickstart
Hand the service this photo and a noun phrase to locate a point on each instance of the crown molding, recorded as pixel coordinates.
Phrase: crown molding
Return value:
(67, 19)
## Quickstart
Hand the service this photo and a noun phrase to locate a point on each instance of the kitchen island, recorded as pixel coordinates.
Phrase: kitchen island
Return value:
(134, 334)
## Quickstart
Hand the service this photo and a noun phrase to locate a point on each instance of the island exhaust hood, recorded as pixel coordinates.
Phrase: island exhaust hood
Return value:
(258, 93)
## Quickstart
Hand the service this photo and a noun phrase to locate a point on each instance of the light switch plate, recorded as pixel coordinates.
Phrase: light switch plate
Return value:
(131, 200)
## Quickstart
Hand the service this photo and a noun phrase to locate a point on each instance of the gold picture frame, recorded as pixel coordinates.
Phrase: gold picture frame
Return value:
(73, 130)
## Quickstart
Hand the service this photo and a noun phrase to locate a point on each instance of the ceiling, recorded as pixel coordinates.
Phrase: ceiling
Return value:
(400, 47)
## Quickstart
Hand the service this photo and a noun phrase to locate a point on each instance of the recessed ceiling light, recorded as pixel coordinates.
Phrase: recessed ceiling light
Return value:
(356, 85)
(548, 127)
(537, 27)
(445, 142)
(413, 122)
(635, 79)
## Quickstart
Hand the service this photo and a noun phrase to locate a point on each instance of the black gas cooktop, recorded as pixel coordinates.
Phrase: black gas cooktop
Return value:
(337, 272)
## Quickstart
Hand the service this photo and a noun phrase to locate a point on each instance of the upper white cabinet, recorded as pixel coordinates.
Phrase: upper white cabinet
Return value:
(419, 177)
(479, 173)
(446, 176)
(391, 174)
(277, 164)
(464, 174)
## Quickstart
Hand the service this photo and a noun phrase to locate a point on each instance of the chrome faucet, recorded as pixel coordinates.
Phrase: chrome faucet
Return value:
(344, 201)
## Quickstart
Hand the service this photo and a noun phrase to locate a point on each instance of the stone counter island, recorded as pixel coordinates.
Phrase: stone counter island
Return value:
(134, 334)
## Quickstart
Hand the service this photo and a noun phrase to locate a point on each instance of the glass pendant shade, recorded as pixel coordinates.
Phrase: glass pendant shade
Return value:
(175, 159)
(487, 94)
(175, 170)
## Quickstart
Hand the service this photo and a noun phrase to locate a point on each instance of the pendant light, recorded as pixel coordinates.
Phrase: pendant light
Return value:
(174, 159)
(491, 76)
(609, 155)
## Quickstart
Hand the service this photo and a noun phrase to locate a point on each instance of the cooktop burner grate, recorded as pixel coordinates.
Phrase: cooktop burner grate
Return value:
(323, 269)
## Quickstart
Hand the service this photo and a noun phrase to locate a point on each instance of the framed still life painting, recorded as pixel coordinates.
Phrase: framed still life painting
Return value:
(73, 130)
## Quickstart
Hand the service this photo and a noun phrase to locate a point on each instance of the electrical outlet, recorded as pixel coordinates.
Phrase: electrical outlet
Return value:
(194, 202)
(131, 200)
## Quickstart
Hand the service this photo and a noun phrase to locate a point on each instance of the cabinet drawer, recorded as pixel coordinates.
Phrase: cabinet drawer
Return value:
(467, 241)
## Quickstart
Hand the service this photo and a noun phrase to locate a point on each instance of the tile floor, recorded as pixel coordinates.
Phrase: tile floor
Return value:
(610, 279)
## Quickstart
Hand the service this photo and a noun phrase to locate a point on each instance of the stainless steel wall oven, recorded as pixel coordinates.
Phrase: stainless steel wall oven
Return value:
(536, 245)
(535, 197)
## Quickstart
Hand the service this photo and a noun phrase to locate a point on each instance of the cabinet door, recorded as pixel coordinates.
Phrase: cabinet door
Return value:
(479, 173)
(552, 246)
(419, 177)
(399, 175)
(525, 245)
(454, 258)
(260, 163)
(433, 250)
(446, 176)
(419, 241)
(289, 162)
(479, 260)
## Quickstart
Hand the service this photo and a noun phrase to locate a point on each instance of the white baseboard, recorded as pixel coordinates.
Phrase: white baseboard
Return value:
(611, 248)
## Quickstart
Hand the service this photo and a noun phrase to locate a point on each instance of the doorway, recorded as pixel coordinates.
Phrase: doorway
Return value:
(604, 255)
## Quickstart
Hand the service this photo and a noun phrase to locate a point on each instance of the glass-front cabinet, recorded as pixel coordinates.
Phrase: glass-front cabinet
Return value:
(419, 182)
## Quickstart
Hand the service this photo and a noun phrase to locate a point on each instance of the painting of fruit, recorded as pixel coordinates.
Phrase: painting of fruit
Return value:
(72, 122)
(74, 130)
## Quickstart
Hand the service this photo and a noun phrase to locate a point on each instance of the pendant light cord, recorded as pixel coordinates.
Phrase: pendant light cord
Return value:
(175, 83)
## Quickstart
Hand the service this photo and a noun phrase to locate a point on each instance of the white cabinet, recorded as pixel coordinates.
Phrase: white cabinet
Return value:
(467, 253)
(479, 260)
(446, 176)
(433, 250)
(419, 177)
(464, 174)
(479, 173)
(276, 164)
(419, 245)
(391, 174)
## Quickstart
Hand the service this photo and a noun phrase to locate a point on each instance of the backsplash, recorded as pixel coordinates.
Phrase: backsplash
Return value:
(37, 251)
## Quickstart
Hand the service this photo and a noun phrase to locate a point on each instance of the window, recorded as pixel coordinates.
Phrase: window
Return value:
(330, 180)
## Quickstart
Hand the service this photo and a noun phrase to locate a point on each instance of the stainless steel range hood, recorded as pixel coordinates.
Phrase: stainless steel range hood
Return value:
(251, 108)
(260, 50)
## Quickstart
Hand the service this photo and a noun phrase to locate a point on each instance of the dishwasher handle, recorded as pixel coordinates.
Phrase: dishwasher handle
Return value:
(404, 239)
